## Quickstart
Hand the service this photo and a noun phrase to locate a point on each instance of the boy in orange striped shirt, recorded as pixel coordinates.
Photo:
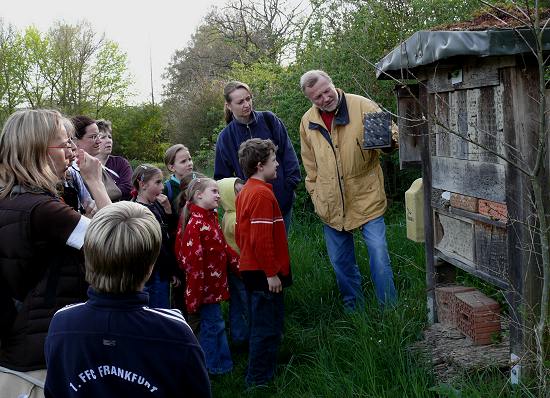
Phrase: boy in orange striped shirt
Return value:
(265, 262)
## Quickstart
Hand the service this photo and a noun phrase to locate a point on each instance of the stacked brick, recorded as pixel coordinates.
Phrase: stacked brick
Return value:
(446, 303)
(478, 316)
(474, 314)
(493, 210)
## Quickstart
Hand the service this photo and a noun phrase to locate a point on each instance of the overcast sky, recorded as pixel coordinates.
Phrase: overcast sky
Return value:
(159, 26)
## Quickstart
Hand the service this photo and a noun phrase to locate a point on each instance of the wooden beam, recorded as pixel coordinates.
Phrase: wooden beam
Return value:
(479, 179)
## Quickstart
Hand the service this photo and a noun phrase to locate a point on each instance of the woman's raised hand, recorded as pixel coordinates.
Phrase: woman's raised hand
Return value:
(90, 167)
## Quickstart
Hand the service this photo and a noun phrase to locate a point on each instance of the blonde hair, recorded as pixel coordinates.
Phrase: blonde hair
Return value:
(227, 90)
(24, 158)
(121, 246)
(170, 154)
(197, 185)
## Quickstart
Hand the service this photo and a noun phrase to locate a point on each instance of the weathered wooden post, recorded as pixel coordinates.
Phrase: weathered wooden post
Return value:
(473, 107)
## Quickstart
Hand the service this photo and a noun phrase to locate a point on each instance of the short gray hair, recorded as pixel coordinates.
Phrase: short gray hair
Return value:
(311, 77)
(121, 246)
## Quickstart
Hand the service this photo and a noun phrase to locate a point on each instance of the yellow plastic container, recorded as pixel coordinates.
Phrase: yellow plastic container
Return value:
(414, 207)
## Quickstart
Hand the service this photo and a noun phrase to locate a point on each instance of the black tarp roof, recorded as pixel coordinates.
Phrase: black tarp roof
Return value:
(426, 47)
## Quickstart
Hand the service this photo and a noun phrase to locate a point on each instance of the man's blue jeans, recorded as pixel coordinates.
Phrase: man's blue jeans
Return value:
(266, 328)
(341, 252)
(158, 290)
(213, 340)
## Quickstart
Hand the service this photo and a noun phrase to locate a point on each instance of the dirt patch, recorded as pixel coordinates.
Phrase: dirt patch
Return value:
(506, 18)
(451, 353)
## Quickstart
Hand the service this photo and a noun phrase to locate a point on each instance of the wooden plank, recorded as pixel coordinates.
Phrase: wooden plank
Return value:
(442, 117)
(479, 74)
(439, 81)
(479, 179)
(487, 134)
(427, 102)
(515, 231)
(520, 114)
(474, 75)
(492, 250)
(455, 237)
(472, 101)
(475, 272)
(499, 120)
(477, 217)
(432, 127)
(428, 72)
(458, 120)
(410, 125)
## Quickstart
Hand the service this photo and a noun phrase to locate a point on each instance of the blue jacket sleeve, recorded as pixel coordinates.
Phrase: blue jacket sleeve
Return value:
(222, 165)
(289, 159)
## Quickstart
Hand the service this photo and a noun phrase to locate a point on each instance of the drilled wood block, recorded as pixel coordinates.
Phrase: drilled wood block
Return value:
(478, 316)
(446, 302)
(492, 250)
(495, 210)
(468, 203)
(454, 237)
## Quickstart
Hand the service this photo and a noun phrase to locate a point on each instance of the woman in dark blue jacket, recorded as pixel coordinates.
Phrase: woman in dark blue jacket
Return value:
(244, 123)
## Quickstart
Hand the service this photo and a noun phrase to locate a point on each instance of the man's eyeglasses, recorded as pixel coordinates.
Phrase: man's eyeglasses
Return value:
(68, 145)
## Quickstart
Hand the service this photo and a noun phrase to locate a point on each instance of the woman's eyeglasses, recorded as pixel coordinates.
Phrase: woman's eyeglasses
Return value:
(68, 145)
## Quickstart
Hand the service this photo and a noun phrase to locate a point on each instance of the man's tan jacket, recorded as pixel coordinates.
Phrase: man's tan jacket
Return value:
(345, 182)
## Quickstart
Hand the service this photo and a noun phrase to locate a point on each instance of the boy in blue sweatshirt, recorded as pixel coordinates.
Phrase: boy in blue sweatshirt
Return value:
(114, 345)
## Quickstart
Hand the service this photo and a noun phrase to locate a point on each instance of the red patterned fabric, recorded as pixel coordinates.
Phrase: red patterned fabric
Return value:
(205, 257)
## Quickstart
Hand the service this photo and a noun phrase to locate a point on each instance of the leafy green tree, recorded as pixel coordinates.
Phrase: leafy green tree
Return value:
(193, 99)
(31, 66)
(194, 116)
(138, 131)
(11, 93)
(68, 67)
(109, 79)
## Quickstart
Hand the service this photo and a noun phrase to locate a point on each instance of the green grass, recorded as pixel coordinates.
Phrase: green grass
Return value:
(327, 353)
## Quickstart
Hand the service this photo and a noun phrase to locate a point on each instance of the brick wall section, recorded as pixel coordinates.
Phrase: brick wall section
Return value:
(478, 316)
(464, 202)
(446, 302)
(495, 210)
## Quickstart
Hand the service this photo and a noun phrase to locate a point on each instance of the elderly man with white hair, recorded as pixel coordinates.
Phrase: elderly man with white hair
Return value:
(346, 185)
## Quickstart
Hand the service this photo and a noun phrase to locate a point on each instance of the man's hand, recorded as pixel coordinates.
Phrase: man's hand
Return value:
(275, 285)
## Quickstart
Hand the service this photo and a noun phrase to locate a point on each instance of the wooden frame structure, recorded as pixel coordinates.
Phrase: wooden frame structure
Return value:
(463, 119)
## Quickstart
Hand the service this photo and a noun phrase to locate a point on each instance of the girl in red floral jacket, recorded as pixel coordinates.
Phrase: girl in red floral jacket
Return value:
(205, 256)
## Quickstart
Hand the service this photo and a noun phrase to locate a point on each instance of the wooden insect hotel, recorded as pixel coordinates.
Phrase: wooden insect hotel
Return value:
(470, 120)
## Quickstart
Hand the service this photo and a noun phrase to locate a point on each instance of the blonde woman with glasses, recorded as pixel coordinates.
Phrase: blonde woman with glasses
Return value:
(41, 266)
